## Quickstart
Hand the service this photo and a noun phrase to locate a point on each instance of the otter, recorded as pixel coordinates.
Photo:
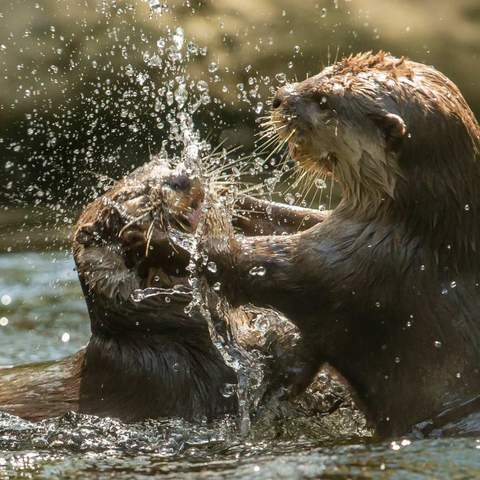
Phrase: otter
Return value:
(147, 357)
(387, 288)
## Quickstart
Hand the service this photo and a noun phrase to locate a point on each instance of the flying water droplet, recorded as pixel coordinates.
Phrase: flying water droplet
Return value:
(228, 390)
(258, 271)
(6, 300)
(212, 267)
(178, 38)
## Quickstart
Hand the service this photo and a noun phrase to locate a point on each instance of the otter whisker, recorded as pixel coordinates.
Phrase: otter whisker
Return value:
(149, 238)
(134, 221)
(281, 145)
(331, 188)
(223, 168)
(269, 142)
(251, 189)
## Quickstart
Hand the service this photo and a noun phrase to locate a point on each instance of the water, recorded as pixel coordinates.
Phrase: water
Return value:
(46, 301)
(42, 311)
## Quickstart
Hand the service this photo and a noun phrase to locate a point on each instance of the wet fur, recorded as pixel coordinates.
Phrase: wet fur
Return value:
(386, 289)
(148, 359)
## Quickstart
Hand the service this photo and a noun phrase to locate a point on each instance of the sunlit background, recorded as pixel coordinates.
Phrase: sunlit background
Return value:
(88, 87)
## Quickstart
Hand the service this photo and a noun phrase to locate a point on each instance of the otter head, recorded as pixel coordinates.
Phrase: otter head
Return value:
(387, 128)
(153, 196)
(172, 196)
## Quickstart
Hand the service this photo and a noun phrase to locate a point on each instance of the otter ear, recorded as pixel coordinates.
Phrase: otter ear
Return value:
(392, 126)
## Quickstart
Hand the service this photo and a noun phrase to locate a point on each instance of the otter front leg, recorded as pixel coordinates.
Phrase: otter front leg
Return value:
(261, 217)
(259, 270)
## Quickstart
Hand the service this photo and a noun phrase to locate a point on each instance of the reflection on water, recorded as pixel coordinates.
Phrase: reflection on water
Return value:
(44, 302)
(77, 447)
(41, 306)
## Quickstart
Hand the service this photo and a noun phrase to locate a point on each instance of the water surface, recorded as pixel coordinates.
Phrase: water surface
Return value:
(47, 319)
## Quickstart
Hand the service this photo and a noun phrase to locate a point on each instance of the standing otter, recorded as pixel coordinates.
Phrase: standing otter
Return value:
(147, 358)
(387, 288)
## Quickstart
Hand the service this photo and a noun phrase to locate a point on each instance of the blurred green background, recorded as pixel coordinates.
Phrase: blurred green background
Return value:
(84, 84)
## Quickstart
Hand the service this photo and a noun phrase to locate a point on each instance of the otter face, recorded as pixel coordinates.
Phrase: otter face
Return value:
(174, 197)
(179, 195)
(344, 121)
(304, 120)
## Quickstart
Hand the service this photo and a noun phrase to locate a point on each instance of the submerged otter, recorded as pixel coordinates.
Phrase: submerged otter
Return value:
(387, 288)
(147, 357)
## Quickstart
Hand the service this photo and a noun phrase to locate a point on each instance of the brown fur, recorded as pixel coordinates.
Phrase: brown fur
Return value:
(387, 288)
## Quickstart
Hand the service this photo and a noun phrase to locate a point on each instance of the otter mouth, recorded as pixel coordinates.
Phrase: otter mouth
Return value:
(305, 157)
(291, 131)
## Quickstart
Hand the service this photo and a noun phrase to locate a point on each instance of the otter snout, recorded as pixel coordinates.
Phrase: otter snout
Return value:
(179, 182)
(285, 97)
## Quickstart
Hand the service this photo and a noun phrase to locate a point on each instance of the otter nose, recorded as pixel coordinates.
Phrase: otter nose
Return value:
(277, 101)
(284, 95)
(279, 98)
(180, 182)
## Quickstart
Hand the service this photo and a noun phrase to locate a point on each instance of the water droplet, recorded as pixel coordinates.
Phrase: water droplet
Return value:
(258, 271)
(378, 304)
(217, 286)
(281, 77)
(323, 12)
(444, 291)
(202, 86)
(467, 207)
(396, 359)
(437, 344)
(178, 38)
(65, 337)
(296, 49)
(3, 322)
(259, 108)
(212, 267)
(453, 284)
(212, 67)
(228, 390)
(6, 300)
(320, 183)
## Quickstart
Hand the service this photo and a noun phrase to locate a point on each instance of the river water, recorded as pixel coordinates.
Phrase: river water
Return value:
(43, 317)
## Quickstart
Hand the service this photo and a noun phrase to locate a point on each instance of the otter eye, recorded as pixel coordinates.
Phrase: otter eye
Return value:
(276, 102)
(323, 102)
